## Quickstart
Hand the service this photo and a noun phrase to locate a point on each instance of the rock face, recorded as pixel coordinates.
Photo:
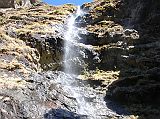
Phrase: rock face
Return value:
(11, 58)
(30, 41)
(41, 27)
(121, 51)
(16, 3)
(127, 36)
(39, 97)
(7, 4)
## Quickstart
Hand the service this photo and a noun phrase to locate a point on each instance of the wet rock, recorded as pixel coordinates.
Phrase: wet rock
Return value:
(62, 114)
(128, 42)
(49, 95)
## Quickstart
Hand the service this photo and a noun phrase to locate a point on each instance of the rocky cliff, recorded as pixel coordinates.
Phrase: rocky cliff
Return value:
(17, 3)
(127, 36)
(30, 42)
(122, 59)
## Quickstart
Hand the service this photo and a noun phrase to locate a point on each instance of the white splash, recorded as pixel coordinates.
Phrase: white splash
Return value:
(71, 37)
(80, 93)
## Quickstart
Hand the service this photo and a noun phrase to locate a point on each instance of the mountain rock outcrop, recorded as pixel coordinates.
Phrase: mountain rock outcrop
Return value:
(16, 3)
(122, 58)
(30, 42)
(126, 34)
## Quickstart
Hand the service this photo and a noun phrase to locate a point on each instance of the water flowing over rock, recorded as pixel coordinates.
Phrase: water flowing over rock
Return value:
(102, 63)
(88, 99)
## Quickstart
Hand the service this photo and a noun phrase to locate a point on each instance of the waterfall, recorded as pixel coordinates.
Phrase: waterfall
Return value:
(89, 102)
(71, 37)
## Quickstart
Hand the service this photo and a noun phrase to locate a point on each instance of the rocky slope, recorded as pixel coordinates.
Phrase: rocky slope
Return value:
(121, 48)
(17, 3)
(30, 42)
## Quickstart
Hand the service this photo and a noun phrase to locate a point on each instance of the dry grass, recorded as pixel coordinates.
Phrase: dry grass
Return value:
(36, 28)
(106, 76)
(13, 52)
(11, 83)
(15, 56)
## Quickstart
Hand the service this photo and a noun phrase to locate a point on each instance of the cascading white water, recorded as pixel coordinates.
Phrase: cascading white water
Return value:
(93, 109)
(71, 37)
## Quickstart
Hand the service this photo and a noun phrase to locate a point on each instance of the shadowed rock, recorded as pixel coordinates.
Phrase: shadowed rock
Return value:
(127, 33)
(62, 114)
(7, 4)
